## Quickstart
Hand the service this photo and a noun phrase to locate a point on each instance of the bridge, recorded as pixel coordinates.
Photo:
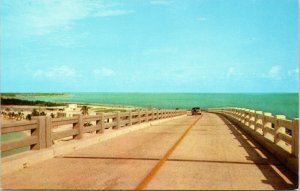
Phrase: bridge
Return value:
(226, 148)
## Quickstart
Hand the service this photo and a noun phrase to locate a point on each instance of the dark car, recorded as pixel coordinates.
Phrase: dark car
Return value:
(196, 111)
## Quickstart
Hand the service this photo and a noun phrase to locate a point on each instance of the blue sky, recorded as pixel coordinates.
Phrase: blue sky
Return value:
(149, 46)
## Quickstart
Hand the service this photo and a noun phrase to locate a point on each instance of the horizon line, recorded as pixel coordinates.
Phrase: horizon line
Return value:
(149, 92)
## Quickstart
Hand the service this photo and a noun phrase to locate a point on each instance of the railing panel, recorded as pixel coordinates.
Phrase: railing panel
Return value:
(16, 128)
(64, 134)
(17, 143)
(45, 131)
(284, 137)
(18, 123)
(270, 119)
(276, 129)
(91, 118)
(64, 122)
(124, 122)
(109, 125)
(110, 115)
(91, 128)
(288, 124)
(63, 119)
(134, 113)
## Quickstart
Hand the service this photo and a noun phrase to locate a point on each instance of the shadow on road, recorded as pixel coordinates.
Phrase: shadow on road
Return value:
(276, 174)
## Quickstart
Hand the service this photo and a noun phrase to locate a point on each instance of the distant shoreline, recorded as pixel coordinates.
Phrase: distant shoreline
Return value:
(13, 95)
(15, 102)
(24, 95)
(279, 103)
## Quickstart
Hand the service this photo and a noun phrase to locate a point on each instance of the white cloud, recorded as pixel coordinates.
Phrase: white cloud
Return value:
(56, 72)
(232, 72)
(103, 72)
(43, 17)
(274, 72)
(160, 2)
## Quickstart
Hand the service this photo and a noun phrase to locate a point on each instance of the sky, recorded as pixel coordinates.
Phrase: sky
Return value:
(149, 46)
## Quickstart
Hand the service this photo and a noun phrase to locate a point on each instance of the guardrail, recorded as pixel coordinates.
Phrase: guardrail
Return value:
(44, 131)
(276, 133)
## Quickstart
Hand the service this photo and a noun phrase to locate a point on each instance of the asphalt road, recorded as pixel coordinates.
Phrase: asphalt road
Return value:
(193, 152)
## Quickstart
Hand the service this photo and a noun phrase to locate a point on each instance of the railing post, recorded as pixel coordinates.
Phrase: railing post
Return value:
(234, 113)
(257, 113)
(102, 122)
(243, 116)
(118, 120)
(48, 132)
(99, 124)
(146, 115)
(264, 121)
(252, 119)
(139, 116)
(130, 118)
(247, 118)
(79, 127)
(239, 115)
(152, 115)
(295, 137)
(39, 132)
(278, 129)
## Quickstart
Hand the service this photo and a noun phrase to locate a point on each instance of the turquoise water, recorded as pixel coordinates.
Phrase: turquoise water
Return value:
(276, 103)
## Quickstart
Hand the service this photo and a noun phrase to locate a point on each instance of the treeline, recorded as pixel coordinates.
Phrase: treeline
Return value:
(13, 101)
(31, 94)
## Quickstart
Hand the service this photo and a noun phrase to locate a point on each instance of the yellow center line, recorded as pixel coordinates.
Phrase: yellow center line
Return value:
(159, 164)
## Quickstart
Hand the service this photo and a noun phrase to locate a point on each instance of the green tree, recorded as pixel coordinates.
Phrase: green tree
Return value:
(85, 110)
(28, 117)
(20, 115)
(52, 115)
(12, 115)
(42, 113)
(35, 113)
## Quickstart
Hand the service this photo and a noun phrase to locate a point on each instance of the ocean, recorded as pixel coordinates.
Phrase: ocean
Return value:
(276, 103)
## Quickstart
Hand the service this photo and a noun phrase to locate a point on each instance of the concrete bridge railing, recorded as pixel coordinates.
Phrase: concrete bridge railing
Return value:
(44, 131)
(276, 133)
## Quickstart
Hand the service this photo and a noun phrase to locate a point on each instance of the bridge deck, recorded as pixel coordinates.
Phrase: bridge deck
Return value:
(186, 153)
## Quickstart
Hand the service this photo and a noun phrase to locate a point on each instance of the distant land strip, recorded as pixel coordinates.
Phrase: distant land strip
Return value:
(32, 94)
(13, 101)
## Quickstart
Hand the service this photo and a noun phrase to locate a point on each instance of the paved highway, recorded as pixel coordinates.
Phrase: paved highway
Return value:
(193, 152)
